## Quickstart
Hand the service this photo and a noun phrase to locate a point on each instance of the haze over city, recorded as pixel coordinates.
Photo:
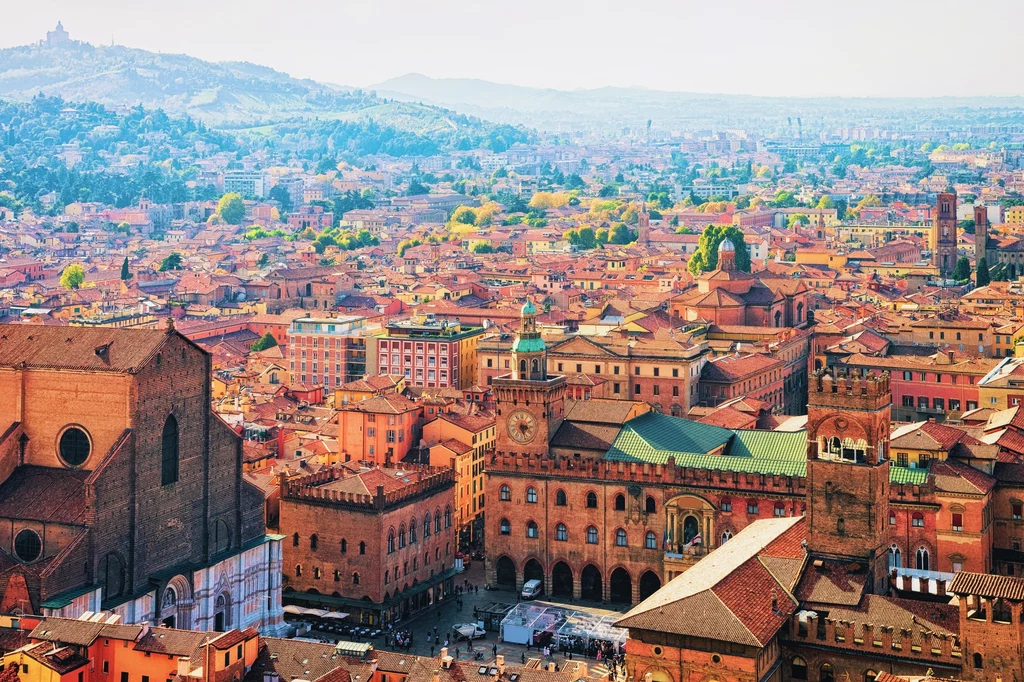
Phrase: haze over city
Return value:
(511, 342)
(877, 48)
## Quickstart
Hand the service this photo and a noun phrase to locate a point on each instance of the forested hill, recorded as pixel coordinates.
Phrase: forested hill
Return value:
(237, 95)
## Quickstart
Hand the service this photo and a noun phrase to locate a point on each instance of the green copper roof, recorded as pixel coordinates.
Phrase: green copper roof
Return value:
(529, 344)
(529, 308)
(654, 437)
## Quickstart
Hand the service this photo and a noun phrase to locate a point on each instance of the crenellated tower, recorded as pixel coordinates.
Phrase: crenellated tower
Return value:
(848, 468)
(944, 230)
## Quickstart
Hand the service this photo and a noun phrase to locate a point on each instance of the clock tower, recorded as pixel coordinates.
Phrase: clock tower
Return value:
(530, 403)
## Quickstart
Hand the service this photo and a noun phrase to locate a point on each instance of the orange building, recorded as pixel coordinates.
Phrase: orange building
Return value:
(94, 650)
(380, 429)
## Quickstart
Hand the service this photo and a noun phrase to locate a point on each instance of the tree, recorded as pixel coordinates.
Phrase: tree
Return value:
(125, 272)
(326, 165)
(171, 262)
(415, 188)
(280, 194)
(262, 261)
(264, 342)
(587, 238)
(621, 234)
(464, 215)
(705, 258)
(607, 191)
(601, 236)
(826, 202)
(982, 279)
(73, 276)
(962, 271)
(482, 247)
(784, 199)
(798, 219)
(231, 208)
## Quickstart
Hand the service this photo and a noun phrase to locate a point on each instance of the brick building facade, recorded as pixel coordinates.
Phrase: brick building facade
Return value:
(378, 543)
(129, 497)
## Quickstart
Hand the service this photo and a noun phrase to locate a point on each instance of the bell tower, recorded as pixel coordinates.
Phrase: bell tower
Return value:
(848, 469)
(944, 256)
(530, 403)
(980, 232)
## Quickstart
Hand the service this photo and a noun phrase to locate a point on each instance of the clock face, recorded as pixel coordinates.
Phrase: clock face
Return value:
(522, 426)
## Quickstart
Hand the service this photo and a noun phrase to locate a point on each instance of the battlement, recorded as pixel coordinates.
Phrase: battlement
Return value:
(868, 638)
(652, 474)
(419, 480)
(836, 388)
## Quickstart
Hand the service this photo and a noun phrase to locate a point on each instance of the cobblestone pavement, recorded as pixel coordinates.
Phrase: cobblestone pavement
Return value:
(445, 616)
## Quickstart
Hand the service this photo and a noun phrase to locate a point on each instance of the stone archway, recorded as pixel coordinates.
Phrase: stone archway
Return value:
(175, 605)
(532, 570)
(620, 586)
(591, 586)
(561, 580)
(505, 571)
(649, 584)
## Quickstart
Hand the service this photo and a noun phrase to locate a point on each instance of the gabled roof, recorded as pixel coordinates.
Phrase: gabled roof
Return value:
(91, 348)
(728, 595)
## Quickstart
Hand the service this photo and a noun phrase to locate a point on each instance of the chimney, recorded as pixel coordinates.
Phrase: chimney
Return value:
(183, 666)
(437, 675)
(500, 660)
(444, 652)
(950, 354)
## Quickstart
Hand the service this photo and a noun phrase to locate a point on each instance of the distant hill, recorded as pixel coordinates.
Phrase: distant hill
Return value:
(226, 94)
(611, 108)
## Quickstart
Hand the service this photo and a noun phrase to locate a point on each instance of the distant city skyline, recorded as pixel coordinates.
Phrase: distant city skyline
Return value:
(799, 48)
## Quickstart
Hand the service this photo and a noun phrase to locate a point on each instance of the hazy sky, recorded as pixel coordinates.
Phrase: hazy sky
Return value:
(766, 47)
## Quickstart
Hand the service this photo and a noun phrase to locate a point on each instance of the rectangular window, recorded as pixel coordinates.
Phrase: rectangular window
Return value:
(908, 401)
(615, 388)
(657, 389)
(579, 368)
(615, 369)
(902, 459)
(657, 371)
(675, 372)
(636, 389)
(124, 677)
(907, 375)
(1018, 511)
(939, 404)
(675, 391)
(958, 523)
(636, 371)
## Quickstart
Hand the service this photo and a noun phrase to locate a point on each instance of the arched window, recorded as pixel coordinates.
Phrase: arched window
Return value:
(892, 517)
(391, 541)
(726, 536)
(917, 520)
(505, 494)
(620, 502)
(295, 540)
(401, 536)
(978, 661)
(426, 525)
(344, 545)
(780, 508)
(505, 527)
(591, 535)
(753, 507)
(362, 547)
(620, 538)
(798, 668)
(169, 452)
(561, 532)
(531, 495)
(651, 540)
(531, 529)
(298, 570)
(313, 542)
(726, 504)
(826, 673)
(533, 365)
(923, 559)
(437, 520)
(522, 366)
(591, 500)
(895, 557)
(355, 578)
(649, 505)
(447, 517)
(560, 499)
(870, 675)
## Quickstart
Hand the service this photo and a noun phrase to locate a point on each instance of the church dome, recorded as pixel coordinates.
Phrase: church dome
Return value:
(726, 246)
(529, 308)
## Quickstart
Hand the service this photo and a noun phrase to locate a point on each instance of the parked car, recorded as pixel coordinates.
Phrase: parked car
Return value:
(467, 630)
(532, 589)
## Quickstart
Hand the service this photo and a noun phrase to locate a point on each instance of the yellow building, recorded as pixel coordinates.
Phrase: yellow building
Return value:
(464, 439)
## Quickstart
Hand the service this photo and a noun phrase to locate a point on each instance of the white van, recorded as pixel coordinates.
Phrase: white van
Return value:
(532, 589)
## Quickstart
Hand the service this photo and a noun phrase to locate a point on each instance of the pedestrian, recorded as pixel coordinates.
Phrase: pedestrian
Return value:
(494, 649)
(456, 653)
(431, 650)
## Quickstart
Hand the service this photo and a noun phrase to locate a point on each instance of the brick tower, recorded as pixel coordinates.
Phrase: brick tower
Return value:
(980, 233)
(944, 230)
(643, 226)
(848, 469)
(530, 403)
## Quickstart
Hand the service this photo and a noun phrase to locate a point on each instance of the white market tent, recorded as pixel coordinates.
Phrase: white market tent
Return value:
(529, 618)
